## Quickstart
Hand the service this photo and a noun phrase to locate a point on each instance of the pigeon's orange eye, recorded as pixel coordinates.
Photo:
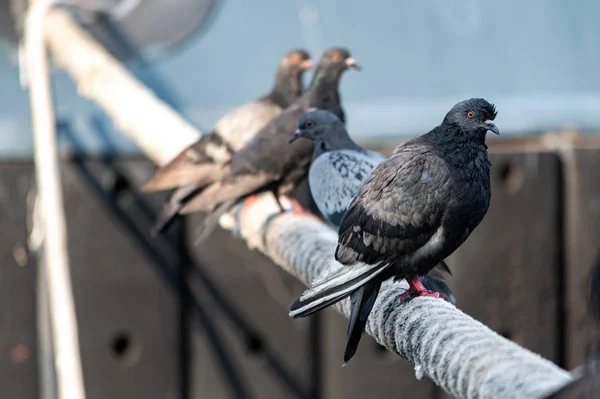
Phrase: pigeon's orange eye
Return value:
(336, 56)
(295, 58)
(470, 114)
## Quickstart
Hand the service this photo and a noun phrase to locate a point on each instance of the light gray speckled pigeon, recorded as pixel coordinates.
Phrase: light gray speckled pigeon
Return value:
(338, 169)
(338, 166)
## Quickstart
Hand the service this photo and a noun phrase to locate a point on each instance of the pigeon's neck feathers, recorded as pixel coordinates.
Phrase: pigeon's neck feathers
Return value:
(287, 88)
(323, 88)
(455, 146)
(336, 140)
(452, 132)
(449, 135)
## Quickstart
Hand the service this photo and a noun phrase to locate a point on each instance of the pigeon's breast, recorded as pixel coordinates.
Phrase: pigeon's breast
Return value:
(335, 178)
(471, 196)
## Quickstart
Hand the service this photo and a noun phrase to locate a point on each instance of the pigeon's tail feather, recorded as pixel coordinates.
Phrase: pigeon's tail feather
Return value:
(173, 207)
(362, 301)
(181, 175)
(200, 164)
(210, 222)
(335, 286)
(234, 188)
(166, 217)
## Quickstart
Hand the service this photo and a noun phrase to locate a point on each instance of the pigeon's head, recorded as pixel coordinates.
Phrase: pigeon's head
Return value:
(337, 59)
(474, 117)
(315, 125)
(296, 60)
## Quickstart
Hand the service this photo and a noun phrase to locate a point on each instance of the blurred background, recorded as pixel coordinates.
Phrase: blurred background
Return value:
(162, 318)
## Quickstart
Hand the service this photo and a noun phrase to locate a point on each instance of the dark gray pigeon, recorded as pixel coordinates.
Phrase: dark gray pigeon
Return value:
(197, 165)
(339, 167)
(414, 210)
(268, 162)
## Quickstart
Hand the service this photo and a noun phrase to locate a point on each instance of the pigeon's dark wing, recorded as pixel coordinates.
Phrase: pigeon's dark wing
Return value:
(232, 188)
(336, 176)
(267, 159)
(396, 213)
(398, 210)
(239, 126)
(200, 163)
(269, 149)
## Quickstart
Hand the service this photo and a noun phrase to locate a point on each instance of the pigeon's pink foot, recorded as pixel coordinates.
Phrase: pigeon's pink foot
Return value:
(250, 199)
(415, 289)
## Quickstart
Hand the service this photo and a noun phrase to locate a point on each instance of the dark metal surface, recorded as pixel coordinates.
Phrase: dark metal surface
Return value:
(507, 274)
(128, 321)
(262, 293)
(18, 337)
(582, 247)
(373, 372)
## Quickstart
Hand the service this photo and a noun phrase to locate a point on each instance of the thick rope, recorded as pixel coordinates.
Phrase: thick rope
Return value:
(460, 354)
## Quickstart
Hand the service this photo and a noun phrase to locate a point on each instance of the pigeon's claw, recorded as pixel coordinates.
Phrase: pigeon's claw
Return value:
(415, 289)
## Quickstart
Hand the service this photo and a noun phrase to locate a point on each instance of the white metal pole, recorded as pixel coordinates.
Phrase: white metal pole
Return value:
(55, 254)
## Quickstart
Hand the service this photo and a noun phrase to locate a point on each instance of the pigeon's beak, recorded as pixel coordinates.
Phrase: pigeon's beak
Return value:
(351, 63)
(306, 65)
(294, 136)
(492, 127)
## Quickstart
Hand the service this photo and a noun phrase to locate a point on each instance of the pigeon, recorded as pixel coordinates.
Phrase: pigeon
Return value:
(189, 170)
(268, 162)
(338, 168)
(414, 210)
